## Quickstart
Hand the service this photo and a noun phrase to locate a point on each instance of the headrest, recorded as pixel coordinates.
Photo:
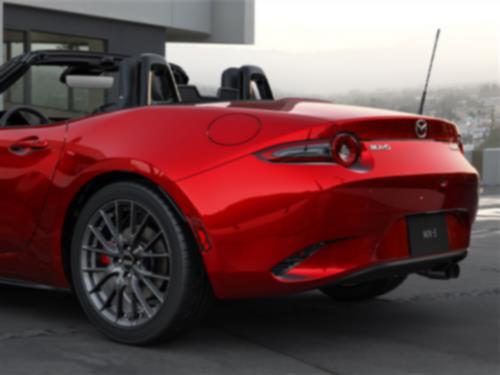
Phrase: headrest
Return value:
(231, 78)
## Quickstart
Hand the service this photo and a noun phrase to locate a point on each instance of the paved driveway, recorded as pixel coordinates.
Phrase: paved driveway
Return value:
(424, 327)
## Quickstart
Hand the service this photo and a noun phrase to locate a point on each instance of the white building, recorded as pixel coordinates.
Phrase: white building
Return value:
(127, 27)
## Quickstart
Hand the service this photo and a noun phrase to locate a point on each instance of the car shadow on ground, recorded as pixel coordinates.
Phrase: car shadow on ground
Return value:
(304, 315)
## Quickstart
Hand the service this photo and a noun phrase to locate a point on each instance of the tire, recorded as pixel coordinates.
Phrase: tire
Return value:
(363, 291)
(156, 286)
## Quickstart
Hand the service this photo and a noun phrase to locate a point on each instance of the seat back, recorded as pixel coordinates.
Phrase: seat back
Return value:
(190, 93)
(225, 93)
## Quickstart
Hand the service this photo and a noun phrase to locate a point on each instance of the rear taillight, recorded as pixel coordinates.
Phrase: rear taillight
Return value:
(345, 149)
(303, 152)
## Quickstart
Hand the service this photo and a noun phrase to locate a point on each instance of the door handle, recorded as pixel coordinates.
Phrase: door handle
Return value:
(29, 144)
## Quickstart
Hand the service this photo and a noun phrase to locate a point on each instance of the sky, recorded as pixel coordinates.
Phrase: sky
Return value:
(336, 46)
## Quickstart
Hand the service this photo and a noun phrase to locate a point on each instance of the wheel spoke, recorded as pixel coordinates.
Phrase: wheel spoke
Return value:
(133, 305)
(110, 225)
(101, 282)
(152, 275)
(155, 255)
(138, 294)
(101, 239)
(139, 230)
(119, 302)
(153, 240)
(152, 288)
(107, 303)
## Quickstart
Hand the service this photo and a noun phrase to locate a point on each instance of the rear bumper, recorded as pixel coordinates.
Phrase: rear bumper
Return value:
(343, 257)
(402, 267)
(355, 224)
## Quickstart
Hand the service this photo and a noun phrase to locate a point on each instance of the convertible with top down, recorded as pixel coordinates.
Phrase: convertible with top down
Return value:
(156, 199)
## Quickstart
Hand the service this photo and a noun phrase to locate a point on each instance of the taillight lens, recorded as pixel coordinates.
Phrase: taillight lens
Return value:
(345, 149)
(303, 152)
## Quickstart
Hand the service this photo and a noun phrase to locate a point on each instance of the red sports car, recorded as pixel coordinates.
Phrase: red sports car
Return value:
(162, 199)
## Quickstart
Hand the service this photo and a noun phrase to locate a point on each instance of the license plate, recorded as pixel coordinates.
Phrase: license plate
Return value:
(427, 234)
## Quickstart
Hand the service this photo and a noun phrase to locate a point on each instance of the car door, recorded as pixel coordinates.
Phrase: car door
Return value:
(28, 158)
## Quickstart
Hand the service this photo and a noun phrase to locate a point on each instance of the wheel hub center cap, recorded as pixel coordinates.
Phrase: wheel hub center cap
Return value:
(128, 260)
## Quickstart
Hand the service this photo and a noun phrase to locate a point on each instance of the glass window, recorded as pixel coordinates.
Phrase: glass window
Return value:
(42, 41)
(47, 93)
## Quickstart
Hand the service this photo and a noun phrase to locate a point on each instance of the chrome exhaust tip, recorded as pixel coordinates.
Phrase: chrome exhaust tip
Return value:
(442, 272)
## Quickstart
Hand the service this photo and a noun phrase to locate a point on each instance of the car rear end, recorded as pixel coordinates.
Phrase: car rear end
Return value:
(405, 195)
(358, 199)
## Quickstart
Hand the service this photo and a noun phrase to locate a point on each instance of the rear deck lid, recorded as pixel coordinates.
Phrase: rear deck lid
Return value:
(365, 123)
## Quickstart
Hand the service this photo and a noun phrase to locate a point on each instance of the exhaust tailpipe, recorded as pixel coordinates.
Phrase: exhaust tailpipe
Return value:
(442, 272)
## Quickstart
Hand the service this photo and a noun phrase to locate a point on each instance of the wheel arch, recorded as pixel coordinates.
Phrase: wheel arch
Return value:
(95, 184)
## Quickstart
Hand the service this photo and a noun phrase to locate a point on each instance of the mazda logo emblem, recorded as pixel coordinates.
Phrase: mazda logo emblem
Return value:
(421, 128)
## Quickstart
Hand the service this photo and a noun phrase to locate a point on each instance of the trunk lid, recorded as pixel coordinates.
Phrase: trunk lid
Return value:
(366, 123)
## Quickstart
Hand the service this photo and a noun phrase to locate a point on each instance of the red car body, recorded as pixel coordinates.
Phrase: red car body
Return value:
(250, 215)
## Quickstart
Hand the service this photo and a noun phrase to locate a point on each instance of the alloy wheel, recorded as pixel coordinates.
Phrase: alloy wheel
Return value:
(125, 263)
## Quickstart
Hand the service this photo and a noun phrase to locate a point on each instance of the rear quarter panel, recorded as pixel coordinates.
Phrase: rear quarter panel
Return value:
(163, 144)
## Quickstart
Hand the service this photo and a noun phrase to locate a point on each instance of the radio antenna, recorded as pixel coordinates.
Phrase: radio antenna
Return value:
(424, 94)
